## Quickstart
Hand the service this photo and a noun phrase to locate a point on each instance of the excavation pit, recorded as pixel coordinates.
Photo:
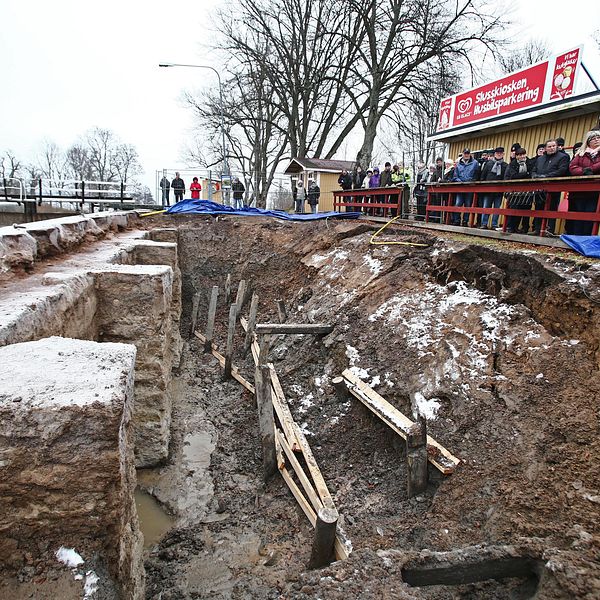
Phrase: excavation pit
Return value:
(497, 346)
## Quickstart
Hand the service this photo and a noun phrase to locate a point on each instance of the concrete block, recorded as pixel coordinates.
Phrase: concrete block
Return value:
(67, 473)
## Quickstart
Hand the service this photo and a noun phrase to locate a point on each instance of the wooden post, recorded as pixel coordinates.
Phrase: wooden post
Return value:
(227, 284)
(322, 548)
(212, 311)
(281, 310)
(262, 385)
(195, 306)
(229, 348)
(239, 299)
(251, 323)
(341, 389)
(264, 341)
(416, 457)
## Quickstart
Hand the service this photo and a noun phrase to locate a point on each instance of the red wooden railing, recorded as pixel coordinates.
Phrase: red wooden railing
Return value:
(446, 194)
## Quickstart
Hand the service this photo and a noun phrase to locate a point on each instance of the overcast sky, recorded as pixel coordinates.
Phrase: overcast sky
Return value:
(70, 65)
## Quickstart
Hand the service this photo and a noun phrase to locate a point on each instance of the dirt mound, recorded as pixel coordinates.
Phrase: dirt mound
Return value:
(498, 349)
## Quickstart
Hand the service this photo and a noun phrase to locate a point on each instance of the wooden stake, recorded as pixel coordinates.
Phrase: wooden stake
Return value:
(264, 341)
(228, 288)
(239, 299)
(341, 389)
(251, 324)
(416, 457)
(195, 306)
(322, 549)
(266, 423)
(281, 310)
(230, 334)
(212, 311)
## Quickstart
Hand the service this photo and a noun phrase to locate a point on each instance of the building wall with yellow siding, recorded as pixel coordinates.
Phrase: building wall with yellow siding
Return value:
(572, 129)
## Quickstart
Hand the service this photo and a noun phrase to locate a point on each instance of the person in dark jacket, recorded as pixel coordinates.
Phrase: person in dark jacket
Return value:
(551, 164)
(420, 190)
(238, 190)
(519, 169)
(386, 175)
(165, 186)
(585, 162)
(358, 177)
(178, 186)
(493, 170)
(345, 182)
(467, 169)
(313, 195)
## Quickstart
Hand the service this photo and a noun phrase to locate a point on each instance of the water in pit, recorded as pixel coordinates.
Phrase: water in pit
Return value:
(154, 521)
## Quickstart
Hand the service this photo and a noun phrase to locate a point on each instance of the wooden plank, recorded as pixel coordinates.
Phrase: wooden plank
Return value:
(340, 548)
(283, 411)
(228, 288)
(264, 343)
(313, 469)
(241, 293)
(416, 458)
(235, 373)
(391, 416)
(292, 328)
(249, 327)
(255, 347)
(308, 488)
(230, 335)
(195, 307)
(210, 325)
(266, 423)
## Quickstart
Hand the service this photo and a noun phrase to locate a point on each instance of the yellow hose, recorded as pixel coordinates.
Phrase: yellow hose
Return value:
(154, 212)
(374, 243)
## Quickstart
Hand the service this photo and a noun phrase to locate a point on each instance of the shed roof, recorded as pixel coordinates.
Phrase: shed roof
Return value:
(322, 165)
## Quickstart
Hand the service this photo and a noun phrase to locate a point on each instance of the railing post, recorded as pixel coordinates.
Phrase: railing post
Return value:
(41, 194)
(596, 223)
(4, 186)
(122, 192)
(82, 193)
(472, 215)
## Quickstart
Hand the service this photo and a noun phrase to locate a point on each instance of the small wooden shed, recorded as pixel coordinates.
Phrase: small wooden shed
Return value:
(324, 171)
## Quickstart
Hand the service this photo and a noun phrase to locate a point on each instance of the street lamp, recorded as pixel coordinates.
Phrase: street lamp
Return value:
(226, 172)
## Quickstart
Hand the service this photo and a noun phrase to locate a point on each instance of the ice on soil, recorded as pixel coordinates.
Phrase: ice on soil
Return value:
(353, 357)
(374, 264)
(69, 557)
(90, 587)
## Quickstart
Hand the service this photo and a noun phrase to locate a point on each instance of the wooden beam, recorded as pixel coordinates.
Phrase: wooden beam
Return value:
(254, 345)
(228, 288)
(283, 411)
(249, 328)
(195, 306)
(230, 334)
(292, 328)
(235, 372)
(262, 383)
(281, 311)
(416, 458)
(210, 325)
(264, 342)
(304, 480)
(239, 299)
(391, 416)
(323, 543)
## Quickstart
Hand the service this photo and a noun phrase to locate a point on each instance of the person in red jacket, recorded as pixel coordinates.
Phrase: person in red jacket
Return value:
(585, 162)
(195, 188)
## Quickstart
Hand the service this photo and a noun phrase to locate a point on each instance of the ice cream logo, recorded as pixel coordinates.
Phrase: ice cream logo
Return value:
(465, 105)
(563, 78)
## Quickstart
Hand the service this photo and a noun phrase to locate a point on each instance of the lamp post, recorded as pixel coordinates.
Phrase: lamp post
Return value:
(226, 172)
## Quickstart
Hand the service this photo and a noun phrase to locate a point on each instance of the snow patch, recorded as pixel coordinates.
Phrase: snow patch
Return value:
(427, 408)
(373, 263)
(69, 557)
(90, 587)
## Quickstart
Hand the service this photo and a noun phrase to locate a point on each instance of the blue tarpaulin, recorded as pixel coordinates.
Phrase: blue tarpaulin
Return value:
(588, 245)
(206, 207)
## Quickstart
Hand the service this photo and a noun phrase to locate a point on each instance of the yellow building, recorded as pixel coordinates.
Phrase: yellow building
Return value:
(325, 172)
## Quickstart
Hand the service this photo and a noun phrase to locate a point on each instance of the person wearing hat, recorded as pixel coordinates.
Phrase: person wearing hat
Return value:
(520, 169)
(493, 170)
(585, 162)
(560, 141)
(238, 189)
(467, 169)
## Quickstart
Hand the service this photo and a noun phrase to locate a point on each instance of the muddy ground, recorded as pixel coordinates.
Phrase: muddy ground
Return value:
(496, 344)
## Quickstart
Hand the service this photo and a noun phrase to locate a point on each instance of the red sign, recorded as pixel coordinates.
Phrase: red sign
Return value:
(563, 78)
(445, 110)
(544, 82)
(514, 92)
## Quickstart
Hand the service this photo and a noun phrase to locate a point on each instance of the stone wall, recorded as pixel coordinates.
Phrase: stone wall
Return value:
(66, 455)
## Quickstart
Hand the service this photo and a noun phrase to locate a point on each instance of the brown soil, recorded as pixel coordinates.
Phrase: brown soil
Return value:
(504, 341)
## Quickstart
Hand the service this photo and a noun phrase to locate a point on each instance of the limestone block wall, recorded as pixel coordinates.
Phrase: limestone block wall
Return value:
(66, 455)
(135, 306)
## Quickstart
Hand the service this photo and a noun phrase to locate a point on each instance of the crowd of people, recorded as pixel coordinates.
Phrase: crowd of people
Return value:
(179, 188)
(550, 160)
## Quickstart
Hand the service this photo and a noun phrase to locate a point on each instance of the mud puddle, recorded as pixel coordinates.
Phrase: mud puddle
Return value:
(154, 521)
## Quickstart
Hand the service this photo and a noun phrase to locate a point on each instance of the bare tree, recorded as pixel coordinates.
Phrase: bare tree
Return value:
(79, 162)
(125, 160)
(520, 57)
(100, 145)
(53, 164)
